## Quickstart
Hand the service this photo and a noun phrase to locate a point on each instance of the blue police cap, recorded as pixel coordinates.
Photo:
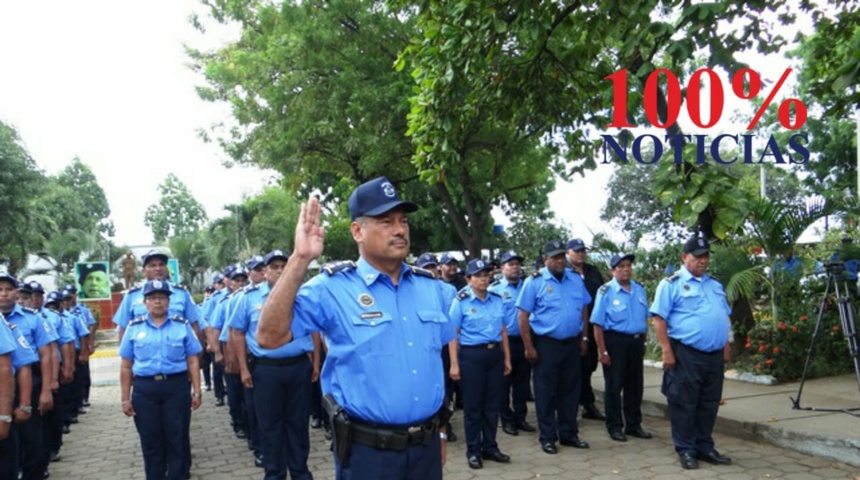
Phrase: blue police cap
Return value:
(34, 286)
(446, 258)
(156, 286)
(24, 287)
(209, 289)
(254, 262)
(6, 276)
(228, 270)
(153, 254)
(538, 264)
(697, 245)
(616, 259)
(239, 271)
(477, 265)
(218, 277)
(426, 259)
(275, 255)
(553, 248)
(576, 245)
(71, 288)
(53, 297)
(375, 197)
(64, 294)
(510, 255)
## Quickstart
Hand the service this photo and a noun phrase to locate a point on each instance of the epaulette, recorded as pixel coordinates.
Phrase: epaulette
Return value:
(30, 310)
(603, 288)
(494, 293)
(251, 288)
(136, 321)
(177, 318)
(340, 266)
(535, 274)
(496, 282)
(673, 277)
(464, 294)
(182, 287)
(421, 272)
(133, 289)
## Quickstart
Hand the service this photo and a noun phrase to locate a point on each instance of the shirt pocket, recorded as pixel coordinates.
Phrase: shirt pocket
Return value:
(174, 346)
(431, 326)
(367, 326)
(691, 300)
(618, 313)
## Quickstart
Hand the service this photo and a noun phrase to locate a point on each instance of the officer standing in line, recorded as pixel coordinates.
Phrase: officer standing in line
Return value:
(691, 321)
(517, 384)
(620, 320)
(481, 358)
(84, 312)
(71, 392)
(428, 262)
(160, 351)
(233, 382)
(25, 295)
(8, 345)
(281, 380)
(553, 304)
(213, 346)
(208, 355)
(450, 268)
(22, 358)
(385, 325)
(67, 337)
(576, 254)
(38, 333)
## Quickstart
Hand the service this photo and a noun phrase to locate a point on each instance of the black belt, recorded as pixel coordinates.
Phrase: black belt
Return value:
(565, 341)
(482, 346)
(394, 438)
(161, 376)
(280, 362)
(634, 335)
(675, 343)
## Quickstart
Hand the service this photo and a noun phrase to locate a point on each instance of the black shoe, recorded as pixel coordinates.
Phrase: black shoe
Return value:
(475, 462)
(66, 429)
(85, 403)
(219, 402)
(46, 474)
(618, 436)
(510, 429)
(574, 442)
(73, 420)
(526, 427)
(316, 423)
(55, 457)
(240, 434)
(639, 432)
(496, 456)
(714, 457)
(208, 387)
(452, 437)
(688, 461)
(82, 411)
(258, 461)
(328, 433)
(592, 413)
(549, 448)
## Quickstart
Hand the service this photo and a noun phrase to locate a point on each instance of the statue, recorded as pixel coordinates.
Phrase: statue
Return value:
(129, 266)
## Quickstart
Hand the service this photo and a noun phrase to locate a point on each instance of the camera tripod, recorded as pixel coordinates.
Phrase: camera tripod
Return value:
(839, 285)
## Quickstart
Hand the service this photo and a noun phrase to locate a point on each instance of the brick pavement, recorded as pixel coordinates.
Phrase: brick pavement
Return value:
(105, 446)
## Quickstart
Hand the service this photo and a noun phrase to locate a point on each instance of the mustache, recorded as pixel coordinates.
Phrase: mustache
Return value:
(398, 238)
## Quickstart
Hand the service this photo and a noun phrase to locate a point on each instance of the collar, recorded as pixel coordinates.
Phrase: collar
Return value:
(264, 288)
(547, 275)
(687, 276)
(616, 287)
(370, 274)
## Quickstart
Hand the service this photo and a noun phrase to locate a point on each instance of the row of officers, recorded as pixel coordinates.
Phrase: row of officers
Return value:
(45, 343)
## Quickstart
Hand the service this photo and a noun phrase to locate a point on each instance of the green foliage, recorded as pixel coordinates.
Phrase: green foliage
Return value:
(273, 226)
(77, 201)
(190, 251)
(531, 230)
(176, 212)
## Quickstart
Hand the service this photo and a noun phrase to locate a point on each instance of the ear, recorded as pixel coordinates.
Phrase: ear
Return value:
(357, 232)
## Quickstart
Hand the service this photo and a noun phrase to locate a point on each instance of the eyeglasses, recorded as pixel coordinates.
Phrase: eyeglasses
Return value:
(158, 298)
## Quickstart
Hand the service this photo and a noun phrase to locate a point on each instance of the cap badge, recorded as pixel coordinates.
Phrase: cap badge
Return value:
(156, 284)
(479, 264)
(388, 190)
(701, 242)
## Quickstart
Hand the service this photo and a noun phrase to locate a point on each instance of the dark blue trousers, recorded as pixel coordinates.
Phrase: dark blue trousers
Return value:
(206, 366)
(160, 419)
(76, 389)
(186, 441)
(30, 443)
(9, 455)
(557, 378)
(251, 421)
(517, 388)
(282, 398)
(625, 373)
(86, 382)
(52, 429)
(482, 380)
(421, 462)
(218, 380)
(693, 390)
(236, 401)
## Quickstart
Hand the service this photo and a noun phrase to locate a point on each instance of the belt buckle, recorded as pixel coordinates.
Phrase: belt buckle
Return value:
(159, 377)
(491, 346)
(637, 335)
(414, 429)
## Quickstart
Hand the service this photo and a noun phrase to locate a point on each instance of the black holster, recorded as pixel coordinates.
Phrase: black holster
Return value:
(445, 413)
(341, 429)
(251, 361)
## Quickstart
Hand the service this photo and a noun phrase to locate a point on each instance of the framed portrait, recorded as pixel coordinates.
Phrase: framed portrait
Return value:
(173, 270)
(93, 280)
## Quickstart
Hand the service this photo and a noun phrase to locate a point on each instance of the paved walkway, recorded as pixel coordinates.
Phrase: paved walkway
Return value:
(105, 444)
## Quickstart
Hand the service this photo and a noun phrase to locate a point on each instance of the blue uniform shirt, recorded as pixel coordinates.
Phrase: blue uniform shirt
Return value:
(555, 306)
(85, 313)
(37, 330)
(208, 309)
(132, 306)
(479, 321)
(509, 293)
(65, 334)
(246, 317)
(695, 310)
(78, 325)
(228, 306)
(384, 363)
(159, 350)
(22, 353)
(617, 310)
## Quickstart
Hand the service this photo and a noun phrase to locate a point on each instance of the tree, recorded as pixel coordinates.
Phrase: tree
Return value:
(78, 201)
(531, 230)
(177, 212)
(274, 222)
(314, 93)
(192, 255)
(25, 222)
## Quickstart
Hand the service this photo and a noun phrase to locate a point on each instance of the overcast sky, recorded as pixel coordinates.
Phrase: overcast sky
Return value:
(106, 81)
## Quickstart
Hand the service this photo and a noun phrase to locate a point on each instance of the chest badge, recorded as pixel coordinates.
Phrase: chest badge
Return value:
(365, 300)
(141, 335)
(616, 302)
(548, 289)
(507, 294)
(686, 287)
(474, 310)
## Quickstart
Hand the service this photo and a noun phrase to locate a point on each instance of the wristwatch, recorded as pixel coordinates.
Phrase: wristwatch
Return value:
(605, 353)
(196, 395)
(584, 339)
(27, 409)
(443, 435)
(6, 418)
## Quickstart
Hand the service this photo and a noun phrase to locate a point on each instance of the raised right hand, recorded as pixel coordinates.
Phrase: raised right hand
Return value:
(308, 243)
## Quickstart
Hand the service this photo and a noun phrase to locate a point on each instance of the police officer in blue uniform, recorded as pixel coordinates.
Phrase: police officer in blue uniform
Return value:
(620, 321)
(235, 396)
(517, 384)
(160, 351)
(84, 312)
(385, 325)
(481, 359)
(67, 337)
(280, 379)
(212, 343)
(18, 401)
(553, 304)
(691, 321)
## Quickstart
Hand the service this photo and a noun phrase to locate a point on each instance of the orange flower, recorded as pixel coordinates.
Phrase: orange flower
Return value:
(747, 345)
(769, 361)
(794, 329)
(775, 349)
(836, 328)
(780, 325)
(758, 366)
(762, 349)
(803, 318)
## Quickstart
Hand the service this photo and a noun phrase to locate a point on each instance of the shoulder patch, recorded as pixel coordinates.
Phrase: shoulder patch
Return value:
(535, 274)
(493, 292)
(340, 266)
(251, 288)
(603, 288)
(177, 318)
(183, 287)
(30, 310)
(673, 277)
(136, 321)
(464, 294)
(496, 282)
(421, 272)
(134, 289)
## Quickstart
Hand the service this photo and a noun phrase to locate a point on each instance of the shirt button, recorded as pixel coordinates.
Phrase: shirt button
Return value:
(410, 344)
(416, 399)
(404, 318)
(373, 323)
(414, 372)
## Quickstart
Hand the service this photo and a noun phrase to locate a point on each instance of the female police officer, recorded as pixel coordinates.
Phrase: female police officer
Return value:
(481, 362)
(160, 352)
